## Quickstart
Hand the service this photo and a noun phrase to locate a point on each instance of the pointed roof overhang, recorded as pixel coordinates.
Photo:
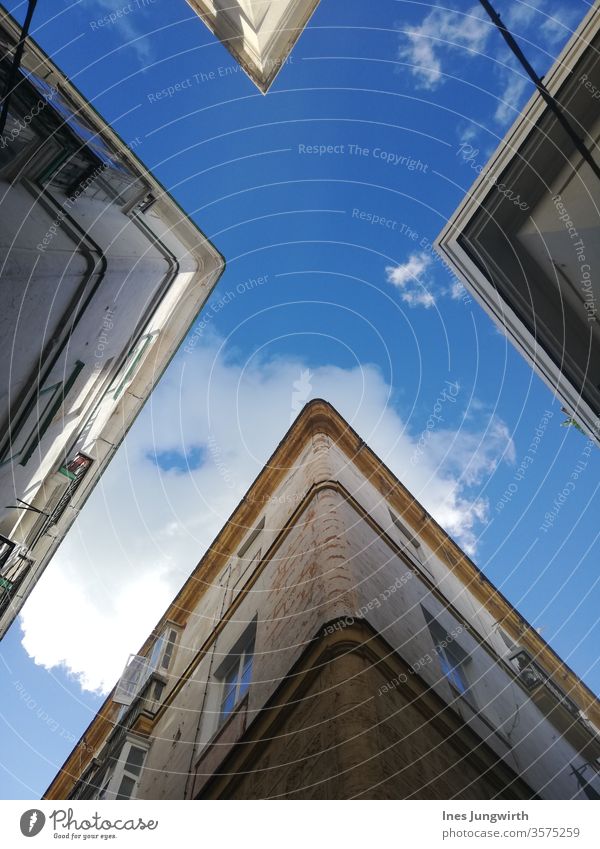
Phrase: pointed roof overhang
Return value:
(260, 34)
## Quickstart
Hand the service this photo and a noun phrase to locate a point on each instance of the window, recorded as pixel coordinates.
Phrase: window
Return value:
(451, 656)
(235, 674)
(131, 772)
(132, 365)
(132, 679)
(139, 668)
(18, 137)
(163, 650)
(29, 428)
(76, 467)
(69, 170)
(246, 546)
(13, 571)
(405, 531)
(121, 779)
(451, 664)
(22, 128)
(242, 569)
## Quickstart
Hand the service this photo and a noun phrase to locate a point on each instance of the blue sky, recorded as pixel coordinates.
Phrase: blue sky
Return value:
(317, 300)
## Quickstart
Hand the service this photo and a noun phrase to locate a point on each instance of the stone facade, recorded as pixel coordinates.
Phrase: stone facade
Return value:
(383, 663)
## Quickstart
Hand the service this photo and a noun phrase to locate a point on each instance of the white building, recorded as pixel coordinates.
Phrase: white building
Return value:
(102, 275)
(335, 643)
(258, 33)
(526, 238)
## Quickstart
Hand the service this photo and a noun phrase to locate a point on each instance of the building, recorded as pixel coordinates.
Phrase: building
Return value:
(258, 33)
(102, 275)
(335, 643)
(526, 238)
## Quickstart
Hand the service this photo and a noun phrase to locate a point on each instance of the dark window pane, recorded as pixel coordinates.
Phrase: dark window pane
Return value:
(452, 670)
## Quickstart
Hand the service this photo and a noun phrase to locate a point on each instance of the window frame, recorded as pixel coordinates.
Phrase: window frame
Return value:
(112, 779)
(452, 666)
(36, 432)
(132, 365)
(404, 530)
(408, 534)
(167, 638)
(452, 660)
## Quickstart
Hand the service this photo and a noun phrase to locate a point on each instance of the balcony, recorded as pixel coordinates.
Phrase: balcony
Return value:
(134, 718)
(558, 708)
(66, 481)
(137, 716)
(13, 569)
(75, 470)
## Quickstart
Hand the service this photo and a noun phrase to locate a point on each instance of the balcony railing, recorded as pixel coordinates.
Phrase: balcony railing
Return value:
(533, 676)
(7, 546)
(75, 470)
(133, 678)
(147, 700)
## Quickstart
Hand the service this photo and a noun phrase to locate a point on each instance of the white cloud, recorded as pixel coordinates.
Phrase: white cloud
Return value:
(476, 455)
(511, 99)
(559, 25)
(127, 25)
(409, 271)
(519, 15)
(143, 530)
(411, 278)
(457, 290)
(554, 30)
(445, 33)
(442, 30)
(416, 298)
(541, 25)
